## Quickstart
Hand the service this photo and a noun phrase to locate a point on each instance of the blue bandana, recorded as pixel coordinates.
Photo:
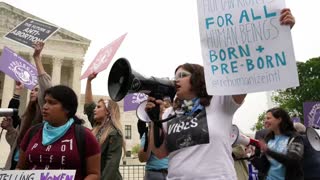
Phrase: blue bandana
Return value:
(51, 134)
(195, 106)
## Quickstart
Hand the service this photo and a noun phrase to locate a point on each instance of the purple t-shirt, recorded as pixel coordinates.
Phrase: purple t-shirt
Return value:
(62, 154)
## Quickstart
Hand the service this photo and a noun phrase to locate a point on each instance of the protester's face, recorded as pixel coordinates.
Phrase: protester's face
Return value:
(183, 85)
(100, 112)
(272, 123)
(34, 94)
(265, 124)
(53, 111)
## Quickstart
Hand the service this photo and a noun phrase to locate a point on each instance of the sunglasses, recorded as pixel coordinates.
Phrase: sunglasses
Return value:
(181, 74)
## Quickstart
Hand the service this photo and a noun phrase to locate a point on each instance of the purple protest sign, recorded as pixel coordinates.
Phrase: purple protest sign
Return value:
(311, 114)
(131, 101)
(18, 68)
(295, 119)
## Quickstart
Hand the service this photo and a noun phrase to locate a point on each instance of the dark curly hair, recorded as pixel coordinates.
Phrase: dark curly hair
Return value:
(286, 125)
(197, 81)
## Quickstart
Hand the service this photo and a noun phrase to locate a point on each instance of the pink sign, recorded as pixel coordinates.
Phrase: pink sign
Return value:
(104, 57)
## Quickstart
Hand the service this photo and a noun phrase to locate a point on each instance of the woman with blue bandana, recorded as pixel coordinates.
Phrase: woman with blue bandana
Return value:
(54, 145)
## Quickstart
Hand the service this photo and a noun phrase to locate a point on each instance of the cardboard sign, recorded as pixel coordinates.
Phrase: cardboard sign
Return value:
(104, 57)
(244, 47)
(18, 68)
(30, 31)
(60, 174)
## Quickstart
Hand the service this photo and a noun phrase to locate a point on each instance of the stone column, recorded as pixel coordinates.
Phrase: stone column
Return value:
(56, 70)
(76, 82)
(7, 92)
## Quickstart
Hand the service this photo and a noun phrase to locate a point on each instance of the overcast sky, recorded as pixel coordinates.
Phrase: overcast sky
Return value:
(160, 33)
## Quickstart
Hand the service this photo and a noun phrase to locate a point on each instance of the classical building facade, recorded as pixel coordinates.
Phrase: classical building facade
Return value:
(63, 57)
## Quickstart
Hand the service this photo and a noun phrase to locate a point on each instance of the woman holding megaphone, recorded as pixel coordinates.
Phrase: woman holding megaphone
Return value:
(282, 151)
(197, 141)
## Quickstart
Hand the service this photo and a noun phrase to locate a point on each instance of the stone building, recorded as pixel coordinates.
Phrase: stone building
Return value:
(63, 57)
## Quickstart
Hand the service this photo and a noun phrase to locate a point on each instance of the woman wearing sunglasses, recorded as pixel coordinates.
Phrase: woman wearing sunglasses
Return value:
(197, 142)
(198, 148)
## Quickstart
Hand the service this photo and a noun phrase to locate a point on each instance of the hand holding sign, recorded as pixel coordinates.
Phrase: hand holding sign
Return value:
(104, 57)
(38, 46)
(92, 76)
(286, 17)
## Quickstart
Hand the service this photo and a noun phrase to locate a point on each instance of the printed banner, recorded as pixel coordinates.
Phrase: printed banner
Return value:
(60, 174)
(244, 47)
(30, 31)
(132, 101)
(104, 57)
(18, 68)
(311, 114)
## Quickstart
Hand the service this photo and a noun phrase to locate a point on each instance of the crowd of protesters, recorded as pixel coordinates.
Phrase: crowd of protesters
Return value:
(196, 142)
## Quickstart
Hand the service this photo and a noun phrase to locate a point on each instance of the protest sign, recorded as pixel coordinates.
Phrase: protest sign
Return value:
(244, 47)
(132, 101)
(60, 174)
(104, 57)
(18, 68)
(295, 119)
(30, 31)
(311, 114)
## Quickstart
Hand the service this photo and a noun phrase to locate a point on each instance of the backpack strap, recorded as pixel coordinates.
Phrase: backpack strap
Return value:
(81, 145)
(34, 129)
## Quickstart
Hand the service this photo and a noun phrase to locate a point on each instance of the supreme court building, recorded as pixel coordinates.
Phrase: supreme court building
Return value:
(62, 57)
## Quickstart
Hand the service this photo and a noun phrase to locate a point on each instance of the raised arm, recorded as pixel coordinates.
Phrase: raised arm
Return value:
(38, 46)
(44, 79)
(88, 93)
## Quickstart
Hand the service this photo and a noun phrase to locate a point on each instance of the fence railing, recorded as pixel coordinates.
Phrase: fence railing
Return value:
(132, 172)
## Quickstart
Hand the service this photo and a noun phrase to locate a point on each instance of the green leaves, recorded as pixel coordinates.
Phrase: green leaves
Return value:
(292, 99)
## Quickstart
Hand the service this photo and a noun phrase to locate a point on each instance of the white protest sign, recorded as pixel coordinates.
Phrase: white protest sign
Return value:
(244, 47)
(37, 174)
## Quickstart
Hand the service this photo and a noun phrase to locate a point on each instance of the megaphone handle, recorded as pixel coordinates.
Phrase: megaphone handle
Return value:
(158, 138)
(154, 113)
(145, 147)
